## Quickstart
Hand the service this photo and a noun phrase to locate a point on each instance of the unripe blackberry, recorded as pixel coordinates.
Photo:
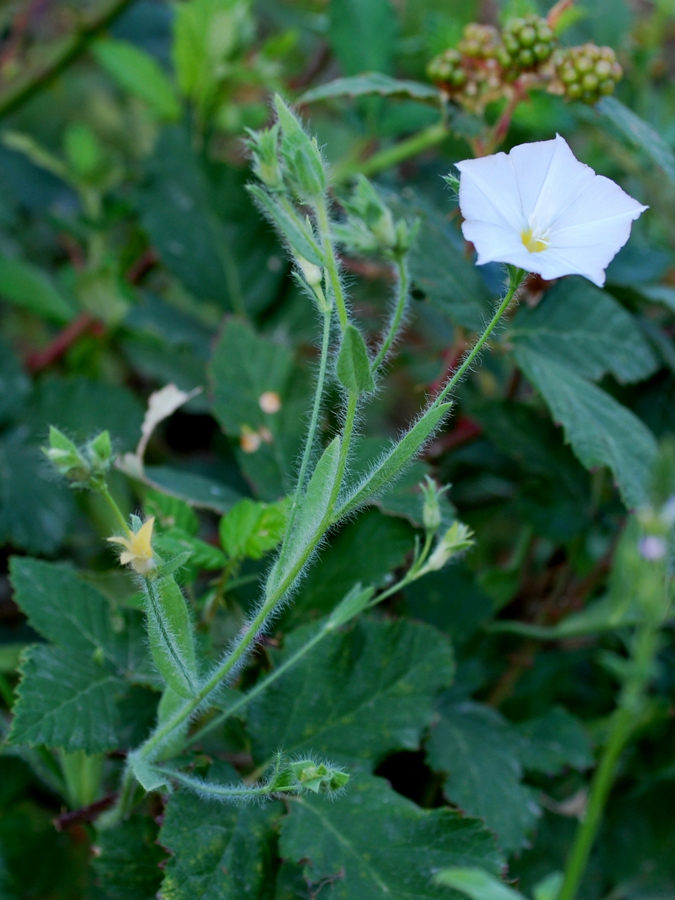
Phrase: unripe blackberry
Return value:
(479, 41)
(588, 73)
(446, 70)
(526, 42)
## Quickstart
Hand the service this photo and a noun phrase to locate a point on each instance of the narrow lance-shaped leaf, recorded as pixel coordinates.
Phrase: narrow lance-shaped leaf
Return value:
(140, 74)
(313, 510)
(477, 884)
(388, 469)
(170, 634)
(289, 226)
(353, 364)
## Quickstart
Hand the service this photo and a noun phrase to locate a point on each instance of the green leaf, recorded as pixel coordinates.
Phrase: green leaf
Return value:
(477, 884)
(29, 288)
(600, 430)
(129, 859)
(196, 490)
(372, 83)
(353, 363)
(71, 695)
(251, 529)
(170, 634)
(640, 134)
(205, 229)
(41, 525)
(67, 701)
(14, 384)
(375, 843)
(140, 74)
(357, 696)
(553, 741)
(480, 754)
(394, 462)
(583, 327)
(298, 236)
(363, 35)
(243, 368)
(218, 852)
(374, 545)
(312, 513)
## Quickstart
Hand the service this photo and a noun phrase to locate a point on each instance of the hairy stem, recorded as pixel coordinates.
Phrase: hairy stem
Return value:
(311, 434)
(114, 508)
(331, 261)
(399, 309)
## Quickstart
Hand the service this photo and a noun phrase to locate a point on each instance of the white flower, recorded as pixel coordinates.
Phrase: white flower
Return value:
(542, 210)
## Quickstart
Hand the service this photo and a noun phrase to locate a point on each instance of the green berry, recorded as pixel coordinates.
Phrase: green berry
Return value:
(526, 59)
(527, 42)
(527, 36)
(587, 72)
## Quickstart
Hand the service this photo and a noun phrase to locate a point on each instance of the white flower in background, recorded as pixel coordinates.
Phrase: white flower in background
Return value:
(542, 210)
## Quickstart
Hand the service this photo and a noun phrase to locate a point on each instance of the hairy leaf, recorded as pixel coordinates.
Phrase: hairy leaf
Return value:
(374, 843)
(128, 864)
(583, 327)
(601, 431)
(359, 695)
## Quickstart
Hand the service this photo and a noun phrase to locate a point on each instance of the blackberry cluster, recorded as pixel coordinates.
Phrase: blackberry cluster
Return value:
(479, 41)
(526, 43)
(587, 73)
(447, 71)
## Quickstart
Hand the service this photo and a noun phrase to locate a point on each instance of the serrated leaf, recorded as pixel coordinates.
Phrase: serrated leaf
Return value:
(140, 74)
(29, 288)
(372, 83)
(600, 430)
(357, 696)
(477, 884)
(639, 133)
(129, 859)
(375, 843)
(218, 852)
(583, 327)
(353, 363)
(553, 741)
(243, 368)
(480, 754)
(66, 700)
(394, 461)
(251, 529)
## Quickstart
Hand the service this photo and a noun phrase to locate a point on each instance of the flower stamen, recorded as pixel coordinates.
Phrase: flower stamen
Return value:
(533, 242)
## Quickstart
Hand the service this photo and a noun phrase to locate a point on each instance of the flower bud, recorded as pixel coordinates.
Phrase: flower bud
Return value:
(457, 538)
(313, 274)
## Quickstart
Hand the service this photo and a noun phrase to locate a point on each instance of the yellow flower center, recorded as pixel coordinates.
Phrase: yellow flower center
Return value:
(532, 241)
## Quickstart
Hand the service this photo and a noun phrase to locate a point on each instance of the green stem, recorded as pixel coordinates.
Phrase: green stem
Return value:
(331, 262)
(63, 54)
(515, 282)
(392, 156)
(603, 780)
(311, 434)
(114, 508)
(399, 309)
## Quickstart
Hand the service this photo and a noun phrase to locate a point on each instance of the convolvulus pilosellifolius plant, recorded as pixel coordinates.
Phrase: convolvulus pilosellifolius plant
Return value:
(536, 210)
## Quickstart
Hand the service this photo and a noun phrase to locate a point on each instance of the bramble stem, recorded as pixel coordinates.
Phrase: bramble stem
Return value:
(397, 315)
(331, 262)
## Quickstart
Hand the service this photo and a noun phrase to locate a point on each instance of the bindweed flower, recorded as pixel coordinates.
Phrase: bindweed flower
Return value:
(540, 209)
(138, 548)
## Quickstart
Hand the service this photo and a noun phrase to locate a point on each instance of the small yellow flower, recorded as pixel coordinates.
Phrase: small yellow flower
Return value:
(138, 550)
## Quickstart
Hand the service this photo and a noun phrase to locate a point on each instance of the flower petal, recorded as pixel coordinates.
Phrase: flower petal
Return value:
(117, 539)
(601, 201)
(531, 164)
(493, 243)
(488, 191)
